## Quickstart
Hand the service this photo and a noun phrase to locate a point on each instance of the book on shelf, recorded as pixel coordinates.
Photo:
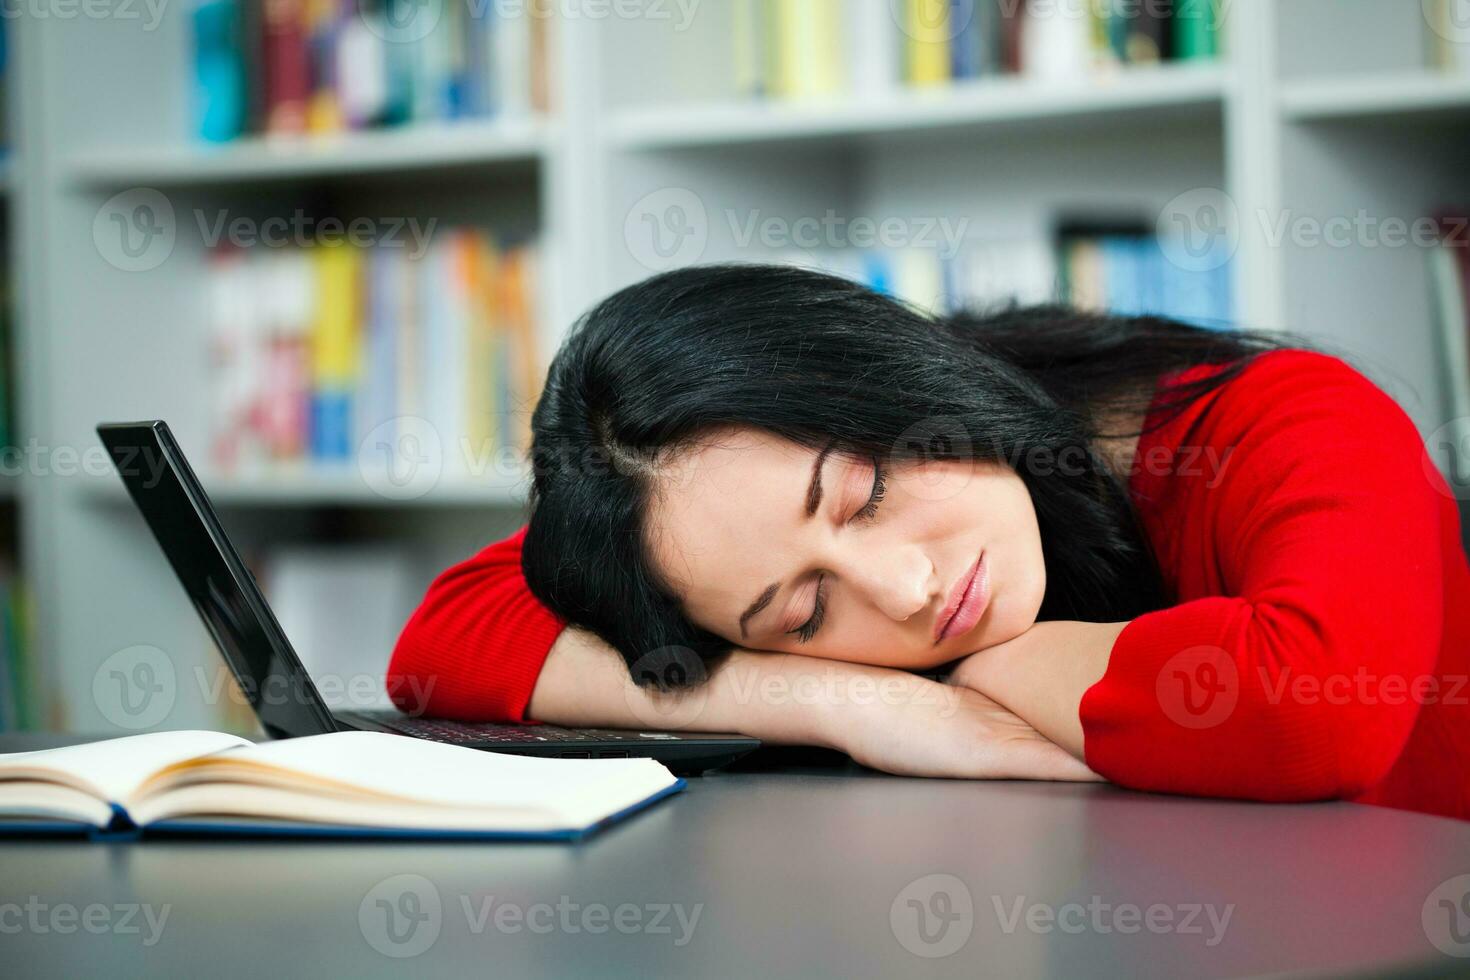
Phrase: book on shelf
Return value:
(324, 66)
(19, 681)
(817, 48)
(1123, 268)
(342, 784)
(1117, 269)
(314, 348)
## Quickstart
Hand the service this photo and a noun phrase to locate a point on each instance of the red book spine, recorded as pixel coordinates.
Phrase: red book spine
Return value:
(287, 66)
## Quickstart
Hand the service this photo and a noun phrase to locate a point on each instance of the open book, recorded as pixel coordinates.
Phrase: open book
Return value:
(340, 784)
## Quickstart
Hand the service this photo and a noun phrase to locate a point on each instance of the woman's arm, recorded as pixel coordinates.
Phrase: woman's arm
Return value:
(887, 719)
(1325, 541)
(1042, 675)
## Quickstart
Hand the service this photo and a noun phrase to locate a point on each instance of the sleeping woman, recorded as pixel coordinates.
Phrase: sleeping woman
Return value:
(1034, 544)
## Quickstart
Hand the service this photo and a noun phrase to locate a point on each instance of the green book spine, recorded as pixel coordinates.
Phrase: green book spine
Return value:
(1195, 29)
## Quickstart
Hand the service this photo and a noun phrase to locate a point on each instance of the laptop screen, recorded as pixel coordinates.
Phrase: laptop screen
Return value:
(217, 582)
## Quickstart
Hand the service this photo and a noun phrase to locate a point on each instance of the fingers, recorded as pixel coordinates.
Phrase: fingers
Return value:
(1040, 759)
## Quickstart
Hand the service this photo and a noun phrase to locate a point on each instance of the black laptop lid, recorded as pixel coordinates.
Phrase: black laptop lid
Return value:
(222, 589)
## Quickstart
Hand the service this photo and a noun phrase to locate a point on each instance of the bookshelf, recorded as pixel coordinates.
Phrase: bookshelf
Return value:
(426, 149)
(1290, 120)
(1412, 93)
(334, 490)
(1142, 96)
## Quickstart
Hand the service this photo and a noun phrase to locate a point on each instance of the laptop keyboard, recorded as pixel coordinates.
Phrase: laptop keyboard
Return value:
(439, 730)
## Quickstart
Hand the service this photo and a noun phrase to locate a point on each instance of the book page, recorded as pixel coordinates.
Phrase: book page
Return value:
(397, 767)
(113, 768)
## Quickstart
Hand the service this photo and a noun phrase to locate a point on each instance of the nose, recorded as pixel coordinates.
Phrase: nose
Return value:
(901, 581)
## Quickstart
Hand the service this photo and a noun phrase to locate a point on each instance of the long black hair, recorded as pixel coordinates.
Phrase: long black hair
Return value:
(820, 359)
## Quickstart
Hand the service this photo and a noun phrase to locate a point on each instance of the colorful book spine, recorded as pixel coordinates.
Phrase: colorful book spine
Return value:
(334, 350)
(1196, 29)
(927, 41)
(317, 347)
(219, 70)
(286, 65)
(749, 33)
(320, 66)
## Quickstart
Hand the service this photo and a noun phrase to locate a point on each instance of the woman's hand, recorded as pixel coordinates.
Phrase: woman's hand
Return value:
(1043, 674)
(953, 732)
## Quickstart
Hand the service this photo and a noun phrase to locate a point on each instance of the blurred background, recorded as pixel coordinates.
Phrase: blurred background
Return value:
(336, 242)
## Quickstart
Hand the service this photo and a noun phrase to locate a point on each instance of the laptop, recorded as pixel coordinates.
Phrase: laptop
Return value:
(235, 612)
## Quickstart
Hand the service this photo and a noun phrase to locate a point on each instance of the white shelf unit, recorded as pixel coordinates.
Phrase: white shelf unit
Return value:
(1292, 122)
(1410, 93)
(420, 149)
(335, 489)
(975, 105)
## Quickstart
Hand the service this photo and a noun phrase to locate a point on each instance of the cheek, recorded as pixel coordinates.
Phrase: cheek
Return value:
(1021, 573)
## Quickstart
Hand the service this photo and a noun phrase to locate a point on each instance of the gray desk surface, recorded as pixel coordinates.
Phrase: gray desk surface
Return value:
(793, 873)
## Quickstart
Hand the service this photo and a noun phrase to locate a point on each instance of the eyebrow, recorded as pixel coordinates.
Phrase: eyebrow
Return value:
(813, 501)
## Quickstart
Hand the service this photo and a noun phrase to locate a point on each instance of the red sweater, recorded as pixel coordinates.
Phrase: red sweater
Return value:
(1317, 644)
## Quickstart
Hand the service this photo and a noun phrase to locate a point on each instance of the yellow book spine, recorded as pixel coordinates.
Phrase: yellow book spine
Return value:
(927, 41)
(335, 345)
(480, 271)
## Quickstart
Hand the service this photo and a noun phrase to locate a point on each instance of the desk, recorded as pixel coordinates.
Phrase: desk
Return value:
(807, 873)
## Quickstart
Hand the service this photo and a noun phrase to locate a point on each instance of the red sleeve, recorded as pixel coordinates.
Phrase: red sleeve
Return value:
(1313, 573)
(475, 646)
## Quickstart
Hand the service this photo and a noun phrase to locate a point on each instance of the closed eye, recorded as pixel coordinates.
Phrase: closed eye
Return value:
(867, 514)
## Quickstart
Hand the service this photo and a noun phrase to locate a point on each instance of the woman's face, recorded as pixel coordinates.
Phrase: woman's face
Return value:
(732, 521)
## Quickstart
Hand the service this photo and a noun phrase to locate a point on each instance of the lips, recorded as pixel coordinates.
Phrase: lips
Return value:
(967, 601)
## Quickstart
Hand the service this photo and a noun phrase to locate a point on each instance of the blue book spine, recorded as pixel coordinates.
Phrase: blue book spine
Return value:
(1150, 276)
(1120, 275)
(331, 425)
(219, 70)
(965, 50)
(1221, 279)
(875, 268)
